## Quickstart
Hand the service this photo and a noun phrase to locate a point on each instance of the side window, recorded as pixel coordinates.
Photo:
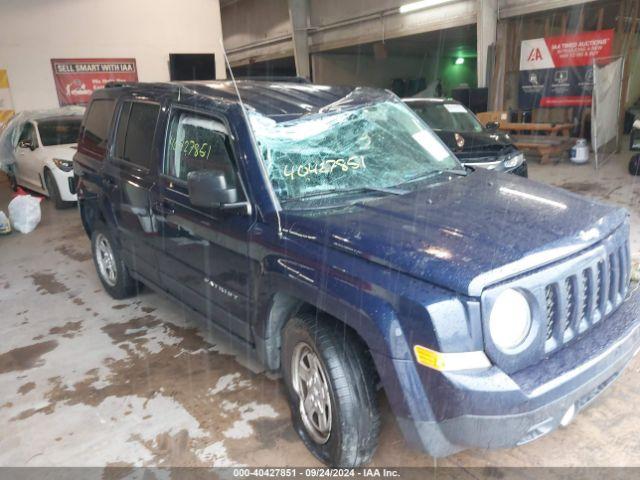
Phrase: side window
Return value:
(197, 142)
(134, 135)
(96, 124)
(29, 133)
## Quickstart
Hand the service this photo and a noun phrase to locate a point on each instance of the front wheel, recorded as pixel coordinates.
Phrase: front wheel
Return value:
(112, 271)
(54, 191)
(330, 384)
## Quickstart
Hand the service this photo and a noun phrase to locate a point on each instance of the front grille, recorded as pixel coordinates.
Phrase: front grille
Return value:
(586, 296)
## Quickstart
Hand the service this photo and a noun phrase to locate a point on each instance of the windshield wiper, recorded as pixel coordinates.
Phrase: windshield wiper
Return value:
(338, 191)
(424, 176)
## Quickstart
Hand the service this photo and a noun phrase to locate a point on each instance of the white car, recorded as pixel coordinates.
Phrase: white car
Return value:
(44, 157)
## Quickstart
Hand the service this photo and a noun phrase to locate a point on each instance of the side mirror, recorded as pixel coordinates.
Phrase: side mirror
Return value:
(27, 144)
(492, 126)
(208, 188)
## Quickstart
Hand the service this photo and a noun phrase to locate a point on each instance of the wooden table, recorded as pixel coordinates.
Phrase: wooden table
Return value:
(563, 129)
(546, 146)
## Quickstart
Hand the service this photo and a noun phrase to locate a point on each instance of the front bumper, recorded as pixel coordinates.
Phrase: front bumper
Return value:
(64, 181)
(521, 170)
(445, 412)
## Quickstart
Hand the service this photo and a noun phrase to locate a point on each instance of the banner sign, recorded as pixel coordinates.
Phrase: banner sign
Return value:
(6, 105)
(77, 78)
(558, 71)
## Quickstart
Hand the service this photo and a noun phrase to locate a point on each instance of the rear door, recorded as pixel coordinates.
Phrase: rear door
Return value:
(205, 262)
(130, 175)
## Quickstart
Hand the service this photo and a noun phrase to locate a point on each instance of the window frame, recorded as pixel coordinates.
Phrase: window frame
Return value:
(120, 106)
(169, 181)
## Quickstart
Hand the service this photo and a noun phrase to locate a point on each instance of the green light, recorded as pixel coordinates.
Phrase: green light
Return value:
(459, 61)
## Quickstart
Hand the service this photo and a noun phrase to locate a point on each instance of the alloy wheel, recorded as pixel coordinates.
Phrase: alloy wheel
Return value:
(309, 381)
(106, 260)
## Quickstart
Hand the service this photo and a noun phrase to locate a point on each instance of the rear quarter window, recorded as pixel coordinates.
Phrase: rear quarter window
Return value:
(96, 126)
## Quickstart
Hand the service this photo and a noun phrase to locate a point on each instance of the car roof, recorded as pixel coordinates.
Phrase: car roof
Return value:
(266, 97)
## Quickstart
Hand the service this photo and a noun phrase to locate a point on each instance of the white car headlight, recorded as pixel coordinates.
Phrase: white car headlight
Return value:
(510, 320)
(514, 160)
(64, 165)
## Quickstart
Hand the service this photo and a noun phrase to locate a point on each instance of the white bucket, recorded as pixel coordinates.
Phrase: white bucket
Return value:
(580, 152)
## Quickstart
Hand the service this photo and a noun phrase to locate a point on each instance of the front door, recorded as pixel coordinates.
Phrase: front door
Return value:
(129, 176)
(29, 159)
(205, 262)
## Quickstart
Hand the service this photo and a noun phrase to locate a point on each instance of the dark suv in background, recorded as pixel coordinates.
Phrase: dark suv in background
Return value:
(331, 233)
(474, 144)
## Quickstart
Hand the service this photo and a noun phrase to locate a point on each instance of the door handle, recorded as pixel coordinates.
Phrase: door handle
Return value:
(163, 208)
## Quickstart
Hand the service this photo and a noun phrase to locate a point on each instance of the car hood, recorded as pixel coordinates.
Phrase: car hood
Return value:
(463, 233)
(476, 144)
(63, 152)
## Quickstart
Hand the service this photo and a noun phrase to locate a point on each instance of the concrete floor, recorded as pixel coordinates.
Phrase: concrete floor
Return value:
(89, 381)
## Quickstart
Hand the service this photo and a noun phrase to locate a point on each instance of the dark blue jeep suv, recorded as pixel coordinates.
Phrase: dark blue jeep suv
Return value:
(331, 233)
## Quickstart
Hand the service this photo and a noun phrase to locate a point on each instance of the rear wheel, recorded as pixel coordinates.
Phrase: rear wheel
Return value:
(54, 191)
(330, 385)
(112, 271)
(634, 165)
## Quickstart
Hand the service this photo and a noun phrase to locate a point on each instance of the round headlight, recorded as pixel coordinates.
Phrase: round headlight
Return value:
(510, 320)
(514, 160)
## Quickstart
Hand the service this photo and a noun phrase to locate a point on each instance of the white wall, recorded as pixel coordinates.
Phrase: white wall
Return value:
(34, 31)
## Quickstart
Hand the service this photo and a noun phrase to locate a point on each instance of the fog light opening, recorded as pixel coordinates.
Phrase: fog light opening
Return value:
(568, 416)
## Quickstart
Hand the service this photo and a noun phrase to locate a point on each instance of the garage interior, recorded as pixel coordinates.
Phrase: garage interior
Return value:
(86, 380)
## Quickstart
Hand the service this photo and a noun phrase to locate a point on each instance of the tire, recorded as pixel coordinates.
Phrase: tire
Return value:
(112, 271)
(342, 361)
(13, 182)
(634, 165)
(54, 191)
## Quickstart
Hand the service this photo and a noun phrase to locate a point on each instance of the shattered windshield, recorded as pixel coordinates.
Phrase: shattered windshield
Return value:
(356, 146)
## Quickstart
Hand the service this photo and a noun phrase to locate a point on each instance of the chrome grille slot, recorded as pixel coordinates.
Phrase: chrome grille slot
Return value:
(599, 289)
(569, 309)
(623, 255)
(614, 277)
(551, 307)
(586, 295)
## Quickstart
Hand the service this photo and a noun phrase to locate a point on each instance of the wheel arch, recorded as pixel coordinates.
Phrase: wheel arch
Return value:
(90, 213)
(43, 178)
(282, 307)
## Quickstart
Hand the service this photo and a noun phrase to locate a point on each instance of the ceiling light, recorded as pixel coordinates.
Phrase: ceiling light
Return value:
(413, 6)
(459, 61)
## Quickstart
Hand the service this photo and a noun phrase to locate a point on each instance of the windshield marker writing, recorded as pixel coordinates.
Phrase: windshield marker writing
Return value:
(327, 166)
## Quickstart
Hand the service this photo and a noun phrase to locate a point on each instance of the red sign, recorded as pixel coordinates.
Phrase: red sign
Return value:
(77, 78)
(581, 49)
(557, 71)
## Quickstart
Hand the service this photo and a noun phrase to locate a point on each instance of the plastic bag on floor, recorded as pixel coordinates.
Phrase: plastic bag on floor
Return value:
(24, 213)
(5, 225)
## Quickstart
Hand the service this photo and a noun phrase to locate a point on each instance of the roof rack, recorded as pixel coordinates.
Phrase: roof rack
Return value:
(275, 78)
(170, 86)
